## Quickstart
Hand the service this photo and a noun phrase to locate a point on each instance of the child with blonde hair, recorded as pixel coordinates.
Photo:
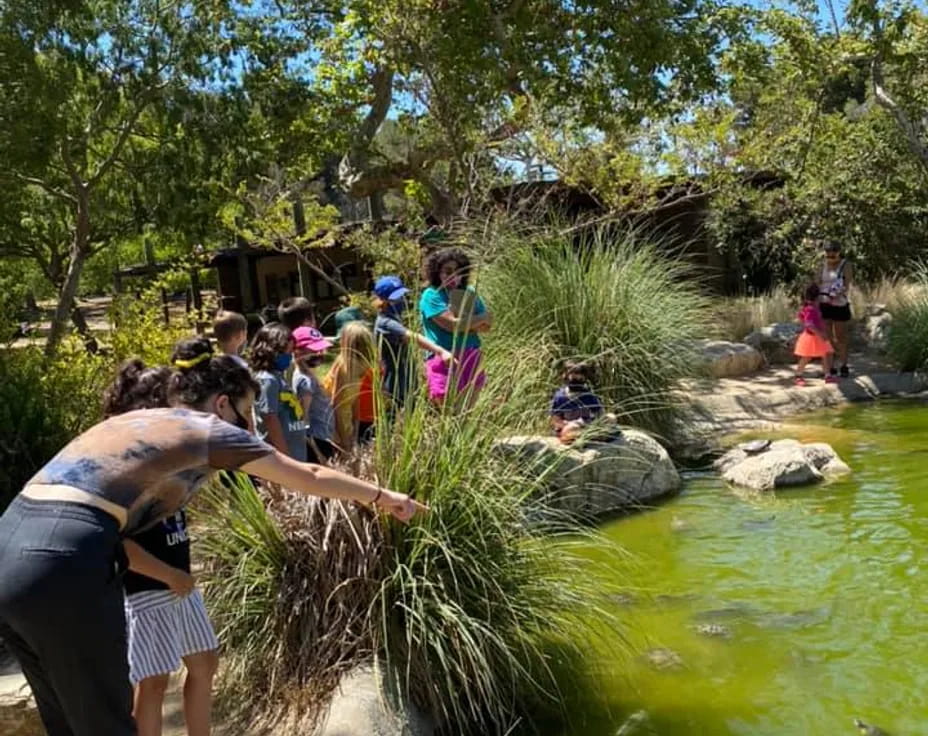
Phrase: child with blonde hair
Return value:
(350, 383)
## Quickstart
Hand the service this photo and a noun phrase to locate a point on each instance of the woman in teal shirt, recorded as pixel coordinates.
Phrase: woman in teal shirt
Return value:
(453, 316)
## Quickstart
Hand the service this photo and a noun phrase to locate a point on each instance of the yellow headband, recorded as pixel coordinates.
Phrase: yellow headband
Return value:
(193, 361)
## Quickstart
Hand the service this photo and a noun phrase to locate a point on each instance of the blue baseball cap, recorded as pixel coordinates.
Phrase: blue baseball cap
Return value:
(390, 288)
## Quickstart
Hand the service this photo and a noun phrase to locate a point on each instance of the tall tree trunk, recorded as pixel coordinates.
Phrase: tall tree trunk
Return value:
(68, 292)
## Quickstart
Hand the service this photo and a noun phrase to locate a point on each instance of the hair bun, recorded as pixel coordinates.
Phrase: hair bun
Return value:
(192, 352)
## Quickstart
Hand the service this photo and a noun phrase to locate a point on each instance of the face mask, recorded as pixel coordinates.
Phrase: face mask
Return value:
(315, 361)
(240, 421)
(283, 361)
(577, 385)
(396, 308)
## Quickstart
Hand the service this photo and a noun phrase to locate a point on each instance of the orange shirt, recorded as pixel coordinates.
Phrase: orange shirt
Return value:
(366, 398)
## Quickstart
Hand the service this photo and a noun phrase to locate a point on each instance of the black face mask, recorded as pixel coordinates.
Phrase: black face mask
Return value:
(240, 421)
(315, 361)
(577, 385)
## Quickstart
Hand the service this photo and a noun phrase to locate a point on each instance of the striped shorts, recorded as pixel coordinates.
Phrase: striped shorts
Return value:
(163, 629)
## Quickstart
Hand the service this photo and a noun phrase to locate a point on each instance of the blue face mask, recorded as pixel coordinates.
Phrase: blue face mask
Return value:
(397, 308)
(283, 361)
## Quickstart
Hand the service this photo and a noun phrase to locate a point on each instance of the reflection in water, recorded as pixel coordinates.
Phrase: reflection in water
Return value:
(819, 594)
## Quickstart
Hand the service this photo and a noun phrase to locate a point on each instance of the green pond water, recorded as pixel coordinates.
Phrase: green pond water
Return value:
(823, 591)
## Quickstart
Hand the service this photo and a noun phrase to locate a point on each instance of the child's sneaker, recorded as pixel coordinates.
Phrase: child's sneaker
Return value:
(800, 381)
(832, 379)
(845, 373)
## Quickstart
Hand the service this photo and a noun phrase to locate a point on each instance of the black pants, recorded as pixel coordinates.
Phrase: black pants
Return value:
(62, 617)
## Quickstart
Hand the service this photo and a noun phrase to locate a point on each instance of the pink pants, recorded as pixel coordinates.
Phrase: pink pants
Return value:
(467, 372)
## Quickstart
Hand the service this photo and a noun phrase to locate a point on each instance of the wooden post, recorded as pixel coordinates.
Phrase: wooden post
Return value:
(164, 305)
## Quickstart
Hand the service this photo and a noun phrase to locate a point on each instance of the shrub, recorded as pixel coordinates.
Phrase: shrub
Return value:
(908, 336)
(43, 405)
(614, 298)
(479, 611)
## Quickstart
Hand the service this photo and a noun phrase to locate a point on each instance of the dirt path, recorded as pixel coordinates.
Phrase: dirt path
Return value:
(18, 716)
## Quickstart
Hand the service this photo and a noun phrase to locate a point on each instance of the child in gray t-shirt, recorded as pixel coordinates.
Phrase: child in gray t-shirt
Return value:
(280, 415)
(310, 348)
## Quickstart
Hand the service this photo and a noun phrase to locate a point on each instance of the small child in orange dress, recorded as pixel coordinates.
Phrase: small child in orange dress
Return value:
(812, 343)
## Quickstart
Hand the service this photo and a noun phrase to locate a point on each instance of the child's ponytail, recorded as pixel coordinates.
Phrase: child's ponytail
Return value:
(136, 387)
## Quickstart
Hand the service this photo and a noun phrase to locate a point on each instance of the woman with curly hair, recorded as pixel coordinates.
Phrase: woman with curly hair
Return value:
(453, 316)
(278, 410)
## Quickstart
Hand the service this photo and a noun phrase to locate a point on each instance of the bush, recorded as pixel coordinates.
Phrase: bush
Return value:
(478, 613)
(908, 336)
(43, 405)
(614, 298)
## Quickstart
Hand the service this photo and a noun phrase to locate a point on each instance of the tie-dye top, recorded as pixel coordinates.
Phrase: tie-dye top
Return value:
(152, 461)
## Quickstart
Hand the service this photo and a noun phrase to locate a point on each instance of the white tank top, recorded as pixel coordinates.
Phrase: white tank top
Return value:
(834, 289)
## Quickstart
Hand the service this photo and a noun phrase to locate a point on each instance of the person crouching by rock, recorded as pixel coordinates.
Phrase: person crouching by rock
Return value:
(812, 342)
(575, 405)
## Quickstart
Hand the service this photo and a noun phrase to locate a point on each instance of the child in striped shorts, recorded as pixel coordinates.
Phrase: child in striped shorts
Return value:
(167, 624)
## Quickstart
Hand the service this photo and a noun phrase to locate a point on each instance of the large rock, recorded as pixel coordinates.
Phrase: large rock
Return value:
(724, 359)
(362, 707)
(598, 478)
(872, 330)
(775, 342)
(783, 463)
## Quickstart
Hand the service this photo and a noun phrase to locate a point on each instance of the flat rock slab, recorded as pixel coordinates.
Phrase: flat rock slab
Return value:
(599, 478)
(782, 464)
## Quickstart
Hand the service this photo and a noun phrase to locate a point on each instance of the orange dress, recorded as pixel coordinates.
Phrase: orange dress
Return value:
(810, 344)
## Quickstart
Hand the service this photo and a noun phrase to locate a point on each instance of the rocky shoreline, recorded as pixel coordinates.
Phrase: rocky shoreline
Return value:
(718, 409)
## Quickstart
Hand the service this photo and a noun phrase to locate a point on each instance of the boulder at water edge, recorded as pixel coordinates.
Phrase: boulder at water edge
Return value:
(775, 341)
(872, 330)
(361, 707)
(724, 359)
(598, 478)
(784, 463)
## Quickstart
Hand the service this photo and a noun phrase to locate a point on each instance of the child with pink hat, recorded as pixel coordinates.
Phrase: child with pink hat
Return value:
(310, 347)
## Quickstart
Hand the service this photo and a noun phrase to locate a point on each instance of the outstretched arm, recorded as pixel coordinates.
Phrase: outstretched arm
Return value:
(423, 342)
(317, 480)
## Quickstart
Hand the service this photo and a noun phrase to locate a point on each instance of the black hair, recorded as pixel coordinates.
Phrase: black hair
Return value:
(268, 315)
(191, 383)
(136, 387)
(811, 293)
(227, 325)
(832, 245)
(195, 378)
(270, 341)
(439, 258)
(580, 368)
(295, 311)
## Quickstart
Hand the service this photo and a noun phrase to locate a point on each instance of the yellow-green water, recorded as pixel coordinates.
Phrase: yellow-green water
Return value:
(823, 590)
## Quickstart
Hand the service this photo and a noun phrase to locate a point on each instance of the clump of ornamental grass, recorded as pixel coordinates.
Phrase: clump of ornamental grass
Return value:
(614, 296)
(482, 612)
(908, 334)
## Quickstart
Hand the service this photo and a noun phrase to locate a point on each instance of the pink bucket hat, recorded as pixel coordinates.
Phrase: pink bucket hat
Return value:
(309, 338)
